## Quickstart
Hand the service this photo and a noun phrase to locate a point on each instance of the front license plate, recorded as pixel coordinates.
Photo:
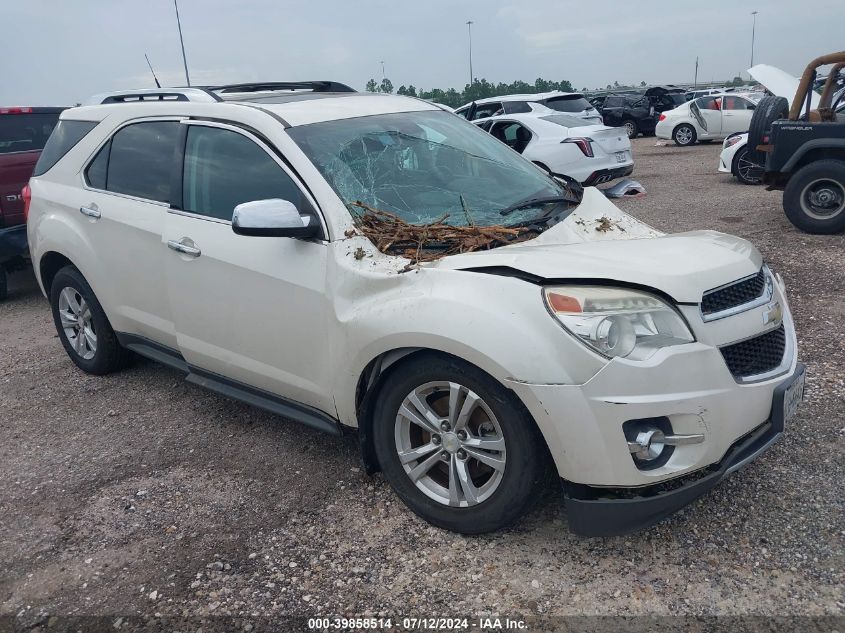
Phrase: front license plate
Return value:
(793, 396)
(621, 157)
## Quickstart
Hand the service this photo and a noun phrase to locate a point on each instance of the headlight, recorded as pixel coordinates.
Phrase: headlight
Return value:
(617, 322)
(731, 141)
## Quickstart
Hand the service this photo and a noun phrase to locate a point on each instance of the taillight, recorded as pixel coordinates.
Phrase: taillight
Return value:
(662, 117)
(15, 110)
(584, 144)
(26, 194)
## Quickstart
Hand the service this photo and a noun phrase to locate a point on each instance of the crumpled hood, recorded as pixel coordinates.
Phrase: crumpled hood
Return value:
(599, 241)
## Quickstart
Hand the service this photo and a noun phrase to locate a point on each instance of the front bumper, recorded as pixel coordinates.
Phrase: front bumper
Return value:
(594, 511)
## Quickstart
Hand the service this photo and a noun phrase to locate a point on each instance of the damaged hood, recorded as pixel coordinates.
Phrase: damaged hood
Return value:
(779, 82)
(598, 241)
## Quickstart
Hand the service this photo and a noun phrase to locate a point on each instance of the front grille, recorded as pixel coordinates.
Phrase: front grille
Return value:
(756, 355)
(736, 294)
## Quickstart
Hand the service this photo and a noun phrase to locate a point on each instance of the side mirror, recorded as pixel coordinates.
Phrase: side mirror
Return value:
(272, 218)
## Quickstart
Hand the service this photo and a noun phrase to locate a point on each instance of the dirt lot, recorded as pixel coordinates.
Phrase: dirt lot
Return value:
(138, 493)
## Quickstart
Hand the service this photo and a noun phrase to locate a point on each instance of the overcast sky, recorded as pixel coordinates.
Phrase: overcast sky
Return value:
(58, 52)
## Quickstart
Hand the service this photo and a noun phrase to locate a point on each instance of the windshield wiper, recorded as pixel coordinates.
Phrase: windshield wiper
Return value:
(534, 202)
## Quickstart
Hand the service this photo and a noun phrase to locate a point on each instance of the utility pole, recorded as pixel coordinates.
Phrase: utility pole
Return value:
(469, 29)
(182, 42)
(695, 82)
(753, 30)
(383, 76)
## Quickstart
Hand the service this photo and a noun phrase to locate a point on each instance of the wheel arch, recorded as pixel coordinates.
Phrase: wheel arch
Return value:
(812, 151)
(372, 379)
(51, 263)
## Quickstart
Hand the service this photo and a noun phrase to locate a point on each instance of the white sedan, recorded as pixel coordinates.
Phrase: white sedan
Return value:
(735, 160)
(708, 118)
(562, 145)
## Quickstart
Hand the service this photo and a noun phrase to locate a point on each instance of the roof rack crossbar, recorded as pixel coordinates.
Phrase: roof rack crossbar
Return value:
(269, 86)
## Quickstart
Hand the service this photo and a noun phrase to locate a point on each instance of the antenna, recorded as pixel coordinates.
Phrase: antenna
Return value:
(158, 85)
(182, 42)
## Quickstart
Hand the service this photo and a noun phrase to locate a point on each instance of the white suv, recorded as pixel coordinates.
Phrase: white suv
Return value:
(220, 232)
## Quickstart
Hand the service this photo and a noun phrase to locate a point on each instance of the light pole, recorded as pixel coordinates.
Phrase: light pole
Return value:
(753, 30)
(469, 30)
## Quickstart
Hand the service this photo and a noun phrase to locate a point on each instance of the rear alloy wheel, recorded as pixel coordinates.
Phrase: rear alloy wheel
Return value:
(684, 135)
(455, 446)
(83, 328)
(814, 198)
(631, 128)
(745, 169)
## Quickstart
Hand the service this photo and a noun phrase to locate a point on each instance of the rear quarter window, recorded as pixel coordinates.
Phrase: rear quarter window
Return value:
(65, 135)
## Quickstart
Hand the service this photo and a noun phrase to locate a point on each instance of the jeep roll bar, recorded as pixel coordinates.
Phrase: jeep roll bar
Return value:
(803, 95)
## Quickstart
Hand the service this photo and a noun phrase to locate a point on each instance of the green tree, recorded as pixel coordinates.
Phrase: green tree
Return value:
(372, 86)
(386, 86)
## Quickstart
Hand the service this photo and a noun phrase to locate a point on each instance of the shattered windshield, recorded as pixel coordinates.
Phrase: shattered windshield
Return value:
(430, 167)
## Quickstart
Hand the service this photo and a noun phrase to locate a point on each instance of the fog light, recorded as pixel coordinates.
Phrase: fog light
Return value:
(648, 445)
(651, 441)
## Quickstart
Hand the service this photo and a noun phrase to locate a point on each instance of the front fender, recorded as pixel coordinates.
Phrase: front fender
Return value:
(497, 323)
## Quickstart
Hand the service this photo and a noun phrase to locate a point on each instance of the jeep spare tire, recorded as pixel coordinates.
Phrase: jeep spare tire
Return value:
(769, 109)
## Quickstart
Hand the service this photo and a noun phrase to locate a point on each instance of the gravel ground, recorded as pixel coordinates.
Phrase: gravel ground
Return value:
(138, 494)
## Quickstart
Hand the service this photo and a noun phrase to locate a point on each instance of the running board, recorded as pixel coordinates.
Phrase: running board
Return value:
(255, 397)
(263, 400)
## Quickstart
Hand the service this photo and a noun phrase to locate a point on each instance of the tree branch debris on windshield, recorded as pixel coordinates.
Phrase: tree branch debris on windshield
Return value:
(427, 242)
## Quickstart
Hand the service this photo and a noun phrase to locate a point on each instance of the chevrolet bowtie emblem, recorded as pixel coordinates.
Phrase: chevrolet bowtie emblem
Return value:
(773, 313)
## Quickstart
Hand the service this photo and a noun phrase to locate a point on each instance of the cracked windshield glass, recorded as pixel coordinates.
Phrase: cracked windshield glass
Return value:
(427, 167)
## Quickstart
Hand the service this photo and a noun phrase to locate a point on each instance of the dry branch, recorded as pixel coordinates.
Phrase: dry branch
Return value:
(426, 242)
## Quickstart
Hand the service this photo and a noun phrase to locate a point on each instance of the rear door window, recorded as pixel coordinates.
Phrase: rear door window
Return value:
(515, 107)
(63, 138)
(484, 110)
(25, 132)
(568, 103)
(224, 168)
(141, 158)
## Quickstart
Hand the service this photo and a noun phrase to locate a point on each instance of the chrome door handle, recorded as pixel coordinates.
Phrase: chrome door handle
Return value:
(181, 247)
(91, 212)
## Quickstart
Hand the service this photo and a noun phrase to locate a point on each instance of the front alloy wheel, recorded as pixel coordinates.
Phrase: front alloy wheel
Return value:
(457, 446)
(746, 170)
(450, 444)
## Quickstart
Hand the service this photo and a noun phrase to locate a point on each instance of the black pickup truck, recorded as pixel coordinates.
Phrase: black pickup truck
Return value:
(804, 151)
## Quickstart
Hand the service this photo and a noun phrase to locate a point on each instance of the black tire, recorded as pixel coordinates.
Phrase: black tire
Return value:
(693, 137)
(526, 457)
(4, 289)
(631, 128)
(741, 171)
(769, 109)
(108, 356)
(825, 179)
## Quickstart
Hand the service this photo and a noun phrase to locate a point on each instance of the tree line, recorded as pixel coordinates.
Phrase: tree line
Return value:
(479, 89)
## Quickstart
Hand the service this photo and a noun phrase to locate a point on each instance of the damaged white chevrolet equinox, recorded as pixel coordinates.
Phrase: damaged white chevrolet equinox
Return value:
(255, 237)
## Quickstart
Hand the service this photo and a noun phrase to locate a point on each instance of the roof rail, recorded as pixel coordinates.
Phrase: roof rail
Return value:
(155, 94)
(268, 86)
